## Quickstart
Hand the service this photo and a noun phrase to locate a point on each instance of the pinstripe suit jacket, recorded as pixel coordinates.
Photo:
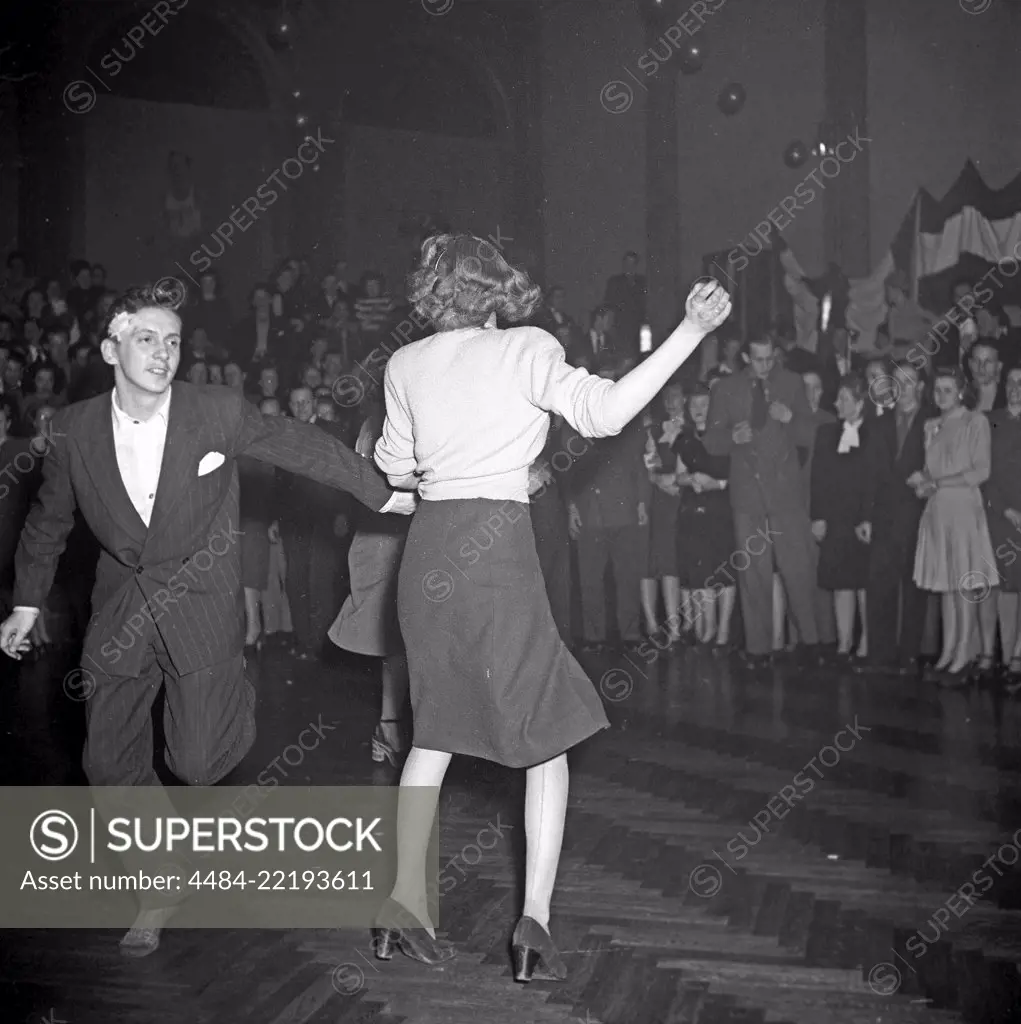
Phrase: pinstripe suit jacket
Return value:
(182, 574)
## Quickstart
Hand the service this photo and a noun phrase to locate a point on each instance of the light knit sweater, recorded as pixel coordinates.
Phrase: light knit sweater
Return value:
(468, 410)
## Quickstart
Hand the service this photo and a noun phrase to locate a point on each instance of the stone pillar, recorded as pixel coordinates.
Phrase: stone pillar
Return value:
(846, 199)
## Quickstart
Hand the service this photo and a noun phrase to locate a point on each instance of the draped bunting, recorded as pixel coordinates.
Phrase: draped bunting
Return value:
(967, 233)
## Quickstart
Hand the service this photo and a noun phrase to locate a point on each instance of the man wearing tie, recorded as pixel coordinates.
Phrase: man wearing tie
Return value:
(760, 417)
(152, 469)
(602, 342)
(892, 596)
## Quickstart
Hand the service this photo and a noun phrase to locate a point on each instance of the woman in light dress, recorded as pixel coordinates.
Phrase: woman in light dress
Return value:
(954, 557)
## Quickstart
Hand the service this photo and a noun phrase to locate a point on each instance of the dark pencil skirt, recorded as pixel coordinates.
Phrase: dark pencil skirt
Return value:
(490, 675)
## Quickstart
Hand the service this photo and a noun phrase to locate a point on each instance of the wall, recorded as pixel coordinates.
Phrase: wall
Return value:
(390, 172)
(593, 160)
(943, 87)
(10, 172)
(127, 143)
(731, 168)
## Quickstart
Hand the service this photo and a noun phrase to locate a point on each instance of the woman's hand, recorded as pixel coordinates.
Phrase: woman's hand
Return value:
(707, 307)
(573, 521)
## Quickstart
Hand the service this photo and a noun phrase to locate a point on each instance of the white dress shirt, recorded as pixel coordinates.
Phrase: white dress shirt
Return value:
(139, 445)
(849, 437)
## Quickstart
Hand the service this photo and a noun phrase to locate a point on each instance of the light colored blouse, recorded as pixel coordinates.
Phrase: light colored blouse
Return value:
(958, 449)
(468, 410)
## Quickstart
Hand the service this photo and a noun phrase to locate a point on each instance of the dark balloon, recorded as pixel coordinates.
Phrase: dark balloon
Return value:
(795, 154)
(692, 55)
(731, 99)
(279, 36)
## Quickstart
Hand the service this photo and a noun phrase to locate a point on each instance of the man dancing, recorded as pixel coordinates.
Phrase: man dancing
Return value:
(152, 469)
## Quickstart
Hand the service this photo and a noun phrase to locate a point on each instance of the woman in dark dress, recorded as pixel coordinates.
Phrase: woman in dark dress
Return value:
(257, 483)
(467, 415)
(847, 463)
(664, 507)
(368, 623)
(705, 526)
(1003, 515)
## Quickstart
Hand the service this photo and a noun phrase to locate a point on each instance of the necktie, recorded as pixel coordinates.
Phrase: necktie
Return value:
(760, 409)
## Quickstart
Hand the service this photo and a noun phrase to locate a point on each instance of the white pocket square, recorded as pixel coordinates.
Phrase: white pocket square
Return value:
(211, 461)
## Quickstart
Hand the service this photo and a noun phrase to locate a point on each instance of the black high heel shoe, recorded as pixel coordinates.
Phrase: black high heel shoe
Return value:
(534, 955)
(397, 928)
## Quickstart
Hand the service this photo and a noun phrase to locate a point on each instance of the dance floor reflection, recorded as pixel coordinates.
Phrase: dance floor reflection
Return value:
(787, 846)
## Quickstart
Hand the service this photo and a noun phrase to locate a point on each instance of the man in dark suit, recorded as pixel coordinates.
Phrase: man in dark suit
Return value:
(626, 295)
(892, 596)
(609, 493)
(20, 474)
(985, 372)
(760, 417)
(307, 518)
(151, 467)
(553, 316)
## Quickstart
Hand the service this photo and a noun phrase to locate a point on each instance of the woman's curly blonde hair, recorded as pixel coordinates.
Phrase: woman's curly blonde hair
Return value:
(461, 280)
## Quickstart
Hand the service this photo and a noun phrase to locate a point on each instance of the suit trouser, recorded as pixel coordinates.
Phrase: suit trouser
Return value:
(627, 548)
(825, 614)
(311, 584)
(208, 722)
(892, 588)
(783, 540)
(553, 546)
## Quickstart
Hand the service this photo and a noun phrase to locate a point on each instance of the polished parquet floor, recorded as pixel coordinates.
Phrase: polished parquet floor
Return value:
(780, 846)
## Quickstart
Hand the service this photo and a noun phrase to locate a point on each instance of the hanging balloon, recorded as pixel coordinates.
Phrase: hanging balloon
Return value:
(692, 55)
(280, 36)
(731, 99)
(795, 154)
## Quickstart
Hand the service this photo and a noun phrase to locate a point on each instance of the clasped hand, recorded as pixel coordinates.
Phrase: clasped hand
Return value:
(707, 307)
(922, 484)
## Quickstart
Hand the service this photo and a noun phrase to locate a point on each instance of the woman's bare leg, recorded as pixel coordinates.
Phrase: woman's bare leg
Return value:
(253, 615)
(546, 787)
(395, 695)
(416, 812)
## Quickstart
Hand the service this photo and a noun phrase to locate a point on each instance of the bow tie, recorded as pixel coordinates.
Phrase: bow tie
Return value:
(849, 439)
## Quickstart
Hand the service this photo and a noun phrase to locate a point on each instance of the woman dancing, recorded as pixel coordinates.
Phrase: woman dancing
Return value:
(467, 414)
(367, 624)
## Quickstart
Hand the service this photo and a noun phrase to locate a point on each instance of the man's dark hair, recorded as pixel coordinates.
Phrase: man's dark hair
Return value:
(136, 299)
(79, 265)
(988, 343)
(44, 365)
(16, 254)
(765, 340)
(17, 355)
(98, 266)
